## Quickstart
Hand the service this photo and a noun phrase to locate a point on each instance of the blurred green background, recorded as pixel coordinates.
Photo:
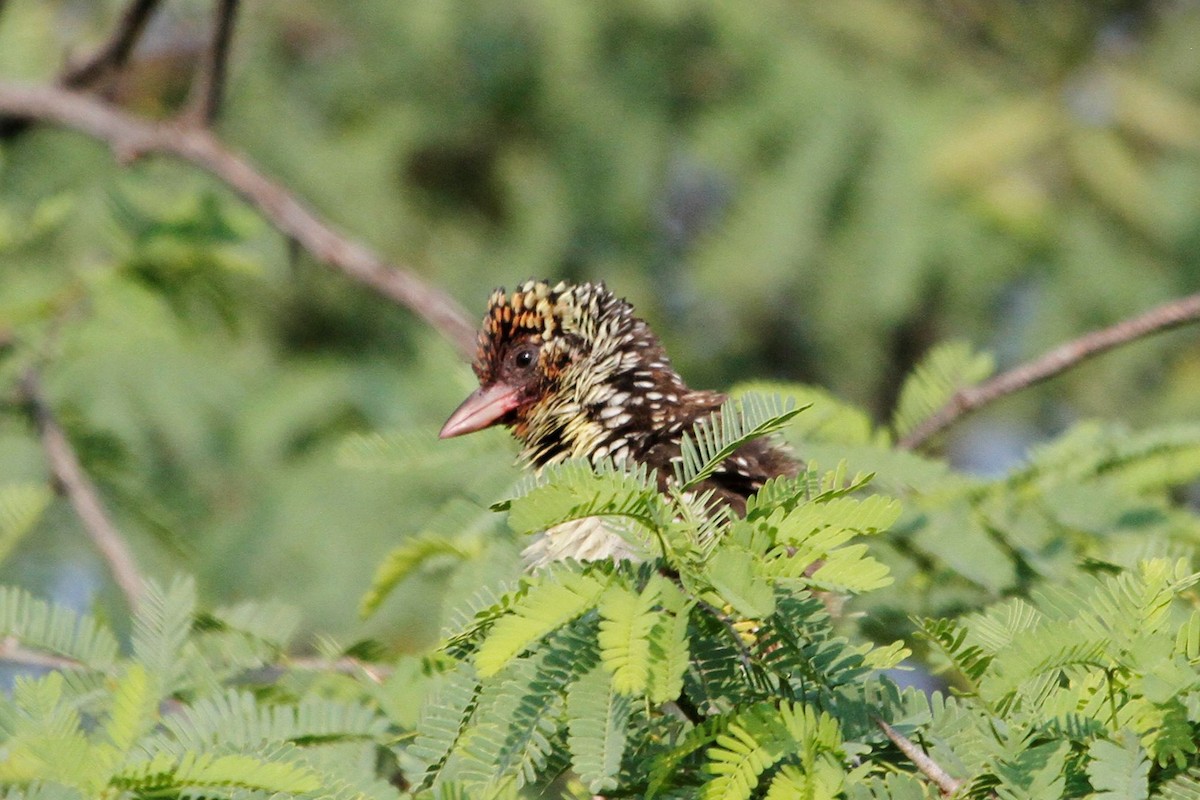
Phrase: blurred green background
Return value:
(810, 191)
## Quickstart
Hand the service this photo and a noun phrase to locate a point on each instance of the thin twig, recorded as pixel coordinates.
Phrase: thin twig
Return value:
(13, 652)
(1165, 317)
(130, 138)
(921, 760)
(74, 483)
(111, 56)
(346, 665)
(208, 89)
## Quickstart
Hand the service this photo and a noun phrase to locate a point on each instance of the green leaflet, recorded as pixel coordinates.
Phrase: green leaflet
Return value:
(950, 366)
(1119, 771)
(21, 506)
(56, 629)
(575, 489)
(558, 596)
(597, 724)
(626, 621)
(161, 627)
(403, 561)
(738, 421)
(757, 739)
(134, 708)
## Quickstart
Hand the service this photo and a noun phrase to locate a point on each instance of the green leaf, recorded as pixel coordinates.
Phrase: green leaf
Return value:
(56, 629)
(1119, 771)
(714, 439)
(134, 708)
(556, 597)
(21, 506)
(597, 724)
(626, 621)
(164, 773)
(737, 575)
(161, 628)
(444, 719)
(1034, 772)
(669, 651)
(576, 490)
(513, 730)
(947, 368)
(403, 561)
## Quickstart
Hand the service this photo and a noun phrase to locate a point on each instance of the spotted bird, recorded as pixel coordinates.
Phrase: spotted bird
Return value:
(575, 374)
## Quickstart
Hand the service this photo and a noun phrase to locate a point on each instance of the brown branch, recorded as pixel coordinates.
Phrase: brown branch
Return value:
(208, 89)
(74, 483)
(1170, 315)
(921, 760)
(13, 652)
(130, 138)
(112, 55)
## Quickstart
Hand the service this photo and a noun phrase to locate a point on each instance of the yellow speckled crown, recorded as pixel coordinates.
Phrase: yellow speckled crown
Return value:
(537, 307)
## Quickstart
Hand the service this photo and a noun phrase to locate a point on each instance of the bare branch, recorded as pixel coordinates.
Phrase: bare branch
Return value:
(13, 652)
(74, 483)
(208, 89)
(921, 760)
(130, 138)
(1170, 315)
(113, 54)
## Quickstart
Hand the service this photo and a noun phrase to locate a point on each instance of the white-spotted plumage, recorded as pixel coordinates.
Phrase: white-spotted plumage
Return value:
(576, 374)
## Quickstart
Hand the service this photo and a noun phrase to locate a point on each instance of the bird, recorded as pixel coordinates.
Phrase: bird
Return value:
(574, 373)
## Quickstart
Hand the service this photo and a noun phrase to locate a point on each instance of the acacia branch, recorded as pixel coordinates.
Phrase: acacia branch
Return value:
(130, 138)
(208, 89)
(73, 482)
(1170, 315)
(13, 652)
(920, 759)
(112, 55)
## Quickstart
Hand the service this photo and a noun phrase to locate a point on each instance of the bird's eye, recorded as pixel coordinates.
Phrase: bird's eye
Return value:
(523, 358)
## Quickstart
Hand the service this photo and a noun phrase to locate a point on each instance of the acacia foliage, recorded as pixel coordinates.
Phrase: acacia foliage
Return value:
(715, 669)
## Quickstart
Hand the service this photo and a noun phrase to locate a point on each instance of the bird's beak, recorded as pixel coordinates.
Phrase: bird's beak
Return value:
(486, 406)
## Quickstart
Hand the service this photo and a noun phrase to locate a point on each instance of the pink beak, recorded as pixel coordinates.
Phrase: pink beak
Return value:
(486, 406)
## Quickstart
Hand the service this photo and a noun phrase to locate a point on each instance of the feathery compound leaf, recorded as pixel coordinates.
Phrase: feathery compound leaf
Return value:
(403, 561)
(1119, 771)
(760, 737)
(134, 708)
(1181, 787)
(161, 628)
(556, 597)
(271, 622)
(1034, 772)
(669, 651)
(626, 620)
(575, 490)
(238, 719)
(738, 421)
(21, 506)
(444, 718)
(510, 735)
(57, 629)
(597, 724)
(165, 774)
(946, 369)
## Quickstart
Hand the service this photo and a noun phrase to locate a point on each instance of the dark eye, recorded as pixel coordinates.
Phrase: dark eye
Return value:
(523, 358)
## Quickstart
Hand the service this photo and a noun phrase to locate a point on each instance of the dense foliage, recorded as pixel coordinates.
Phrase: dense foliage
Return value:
(814, 192)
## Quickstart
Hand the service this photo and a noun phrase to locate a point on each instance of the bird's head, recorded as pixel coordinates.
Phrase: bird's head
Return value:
(571, 370)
